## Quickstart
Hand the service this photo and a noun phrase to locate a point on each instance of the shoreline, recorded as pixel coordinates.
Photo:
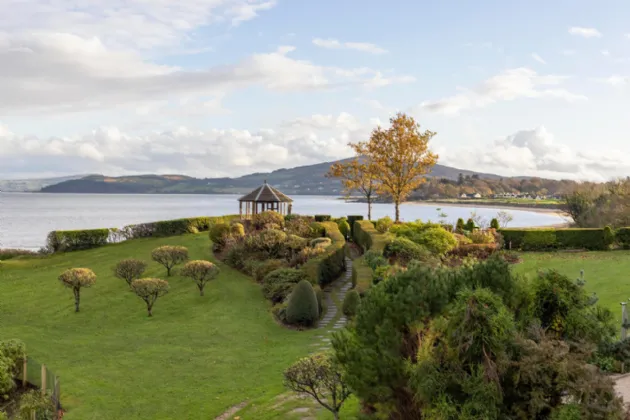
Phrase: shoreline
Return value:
(502, 206)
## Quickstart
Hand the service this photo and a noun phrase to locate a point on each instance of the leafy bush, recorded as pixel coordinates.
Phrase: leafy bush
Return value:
(622, 235)
(266, 267)
(76, 240)
(478, 251)
(609, 236)
(322, 218)
(404, 250)
(149, 290)
(76, 279)
(130, 269)
(351, 303)
(41, 405)
(481, 237)
(383, 224)
(173, 227)
(326, 267)
(270, 241)
(237, 257)
(250, 266)
(436, 240)
(300, 226)
(201, 272)
(237, 230)
(302, 307)
(268, 220)
(375, 259)
(317, 230)
(320, 242)
(462, 239)
(470, 225)
(460, 227)
(494, 223)
(591, 239)
(278, 284)
(14, 352)
(6, 378)
(219, 232)
(344, 228)
(304, 255)
(169, 256)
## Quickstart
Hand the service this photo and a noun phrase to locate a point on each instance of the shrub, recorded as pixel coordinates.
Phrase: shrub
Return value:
(539, 240)
(320, 242)
(7, 254)
(317, 230)
(462, 239)
(494, 223)
(326, 267)
(278, 284)
(478, 251)
(300, 226)
(201, 272)
(344, 228)
(270, 241)
(130, 269)
(470, 225)
(609, 236)
(237, 230)
(623, 237)
(351, 303)
(460, 227)
(302, 307)
(436, 240)
(374, 259)
(367, 237)
(322, 218)
(591, 239)
(250, 266)
(383, 224)
(219, 232)
(173, 227)
(481, 237)
(34, 402)
(236, 256)
(280, 312)
(76, 279)
(169, 256)
(296, 243)
(304, 255)
(76, 240)
(6, 378)
(352, 219)
(14, 352)
(261, 270)
(404, 250)
(268, 220)
(149, 290)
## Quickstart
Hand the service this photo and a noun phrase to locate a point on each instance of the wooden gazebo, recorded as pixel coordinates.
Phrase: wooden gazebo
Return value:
(264, 198)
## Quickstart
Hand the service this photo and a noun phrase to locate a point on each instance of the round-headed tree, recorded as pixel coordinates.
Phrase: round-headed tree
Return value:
(130, 269)
(149, 290)
(170, 256)
(76, 279)
(494, 223)
(302, 308)
(201, 272)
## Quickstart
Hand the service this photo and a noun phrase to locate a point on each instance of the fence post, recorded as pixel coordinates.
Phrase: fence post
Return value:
(624, 320)
(57, 393)
(43, 379)
(24, 371)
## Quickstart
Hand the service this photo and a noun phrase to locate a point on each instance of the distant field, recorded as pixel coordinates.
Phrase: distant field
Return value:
(606, 273)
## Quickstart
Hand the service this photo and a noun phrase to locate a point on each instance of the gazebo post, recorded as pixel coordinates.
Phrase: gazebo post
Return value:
(240, 209)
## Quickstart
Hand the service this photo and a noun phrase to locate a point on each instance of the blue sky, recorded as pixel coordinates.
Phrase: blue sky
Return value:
(228, 87)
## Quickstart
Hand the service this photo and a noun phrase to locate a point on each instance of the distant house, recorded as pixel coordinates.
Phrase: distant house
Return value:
(473, 195)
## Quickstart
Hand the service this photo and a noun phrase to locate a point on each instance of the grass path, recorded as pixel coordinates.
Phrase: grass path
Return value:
(197, 356)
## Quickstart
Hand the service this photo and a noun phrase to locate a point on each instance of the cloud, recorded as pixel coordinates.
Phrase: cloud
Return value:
(509, 85)
(357, 46)
(536, 153)
(538, 58)
(585, 32)
(204, 153)
(605, 53)
(615, 80)
(568, 52)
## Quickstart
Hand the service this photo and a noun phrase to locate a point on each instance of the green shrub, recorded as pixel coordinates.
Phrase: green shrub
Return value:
(300, 226)
(14, 351)
(42, 405)
(322, 217)
(219, 232)
(591, 239)
(622, 236)
(6, 377)
(470, 225)
(352, 219)
(367, 237)
(173, 227)
(351, 303)
(541, 240)
(302, 307)
(374, 259)
(268, 220)
(404, 250)
(320, 242)
(250, 266)
(481, 237)
(478, 251)
(76, 240)
(344, 228)
(278, 284)
(237, 230)
(300, 258)
(327, 266)
(447, 227)
(460, 227)
(383, 224)
(494, 223)
(266, 267)
(317, 230)
(609, 236)
(436, 240)
(237, 256)
(8, 253)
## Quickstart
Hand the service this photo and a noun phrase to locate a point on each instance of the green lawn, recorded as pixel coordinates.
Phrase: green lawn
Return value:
(606, 273)
(194, 359)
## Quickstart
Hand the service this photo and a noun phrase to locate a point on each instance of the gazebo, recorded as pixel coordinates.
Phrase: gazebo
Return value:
(264, 198)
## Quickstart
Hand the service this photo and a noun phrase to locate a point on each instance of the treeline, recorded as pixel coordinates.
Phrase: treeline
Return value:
(598, 205)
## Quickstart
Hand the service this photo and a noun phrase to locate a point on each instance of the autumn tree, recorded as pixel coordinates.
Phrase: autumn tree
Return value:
(150, 290)
(129, 269)
(319, 376)
(356, 176)
(170, 256)
(399, 157)
(76, 279)
(201, 272)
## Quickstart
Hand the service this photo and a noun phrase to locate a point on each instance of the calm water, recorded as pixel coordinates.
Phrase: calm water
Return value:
(25, 219)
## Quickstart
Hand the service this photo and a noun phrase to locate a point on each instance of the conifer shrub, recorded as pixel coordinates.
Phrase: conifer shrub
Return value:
(460, 227)
(403, 250)
(278, 284)
(351, 303)
(302, 307)
(494, 223)
(470, 225)
(261, 270)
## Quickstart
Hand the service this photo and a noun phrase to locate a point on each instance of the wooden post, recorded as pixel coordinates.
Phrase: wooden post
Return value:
(240, 209)
(24, 372)
(43, 380)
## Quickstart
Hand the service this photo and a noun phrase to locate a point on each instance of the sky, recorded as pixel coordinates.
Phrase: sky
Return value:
(213, 88)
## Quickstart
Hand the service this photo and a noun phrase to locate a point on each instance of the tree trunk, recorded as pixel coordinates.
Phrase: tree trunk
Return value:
(397, 206)
(77, 298)
(369, 203)
(168, 271)
(336, 414)
(200, 289)
(150, 308)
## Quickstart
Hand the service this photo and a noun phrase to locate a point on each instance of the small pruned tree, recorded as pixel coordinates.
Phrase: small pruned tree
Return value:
(130, 269)
(170, 256)
(356, 176)
(76, 279)
(149, 290)
(494, 223)
(319, 376)
(504, 218)
(201, 272)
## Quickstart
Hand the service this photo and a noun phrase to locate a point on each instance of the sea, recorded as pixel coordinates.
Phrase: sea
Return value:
(26, 218)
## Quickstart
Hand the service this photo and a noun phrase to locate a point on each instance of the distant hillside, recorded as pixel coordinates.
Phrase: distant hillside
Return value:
(301, 180)
(33, 185)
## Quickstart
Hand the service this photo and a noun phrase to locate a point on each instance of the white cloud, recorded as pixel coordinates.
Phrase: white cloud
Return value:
(509, 85)
(605, 53)
(358, 46)
(585, 32)
(536, 153)
(615, 80)
(538, 58)
(568, 52)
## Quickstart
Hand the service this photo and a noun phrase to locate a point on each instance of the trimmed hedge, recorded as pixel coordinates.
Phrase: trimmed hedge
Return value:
(361, 276)
(351, 220)
(622, 236)
(173, 227)
(323, 217)
(367, 237)
(548, 239)
(76, 240)
(327, 267)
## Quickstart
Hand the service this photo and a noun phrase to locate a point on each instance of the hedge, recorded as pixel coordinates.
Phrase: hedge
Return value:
(622, 236)
(173, 227)
(367, 237)
(548, 239)
(76, 240)
(361, 276)
(327, 267)
(323, 217)
(352, 219)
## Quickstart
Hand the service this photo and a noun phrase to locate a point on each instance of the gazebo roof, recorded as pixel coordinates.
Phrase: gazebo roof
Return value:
(266, 194)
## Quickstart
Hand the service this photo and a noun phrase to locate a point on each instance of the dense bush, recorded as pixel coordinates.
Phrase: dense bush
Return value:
(322, 217)
(169, 256)
(173, 227)
(266, 267)
(481, 237)
(539, 241)
(14, 352)
(219, 233)
(237, 257)
(271, 242)
(374, 259)
(460, 227)
(344, 228)
(8, 253)
(34, 404)
(436, 240)
(543, 239)
(130, 269)
(77, 279)
(300, 258)
(302, 307)
(278, 284)
(327, 266)
(300, 226)
(494, 223)
(268, 220)
(367, 237)
(470, 225)
(6, 378)
(317, 230)
(237, 230)
(351, 303)
(383, 224)
(622, 236)
(478, 251)
(403, 250)
(76, 240)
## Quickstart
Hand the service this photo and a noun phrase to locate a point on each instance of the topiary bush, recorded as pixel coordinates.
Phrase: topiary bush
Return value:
(76, 240)
(383, 224)
(437, 240)
(351, 303)
(278, 284)
(494, 223)
(344, 228)
(470, 225)
(77, 279)
(460, 227)
(539, 240)
(352, 219)
(609, 236)
(130, 269)
(302, 307)
(268, 220)
(170, 256)
(322, 217)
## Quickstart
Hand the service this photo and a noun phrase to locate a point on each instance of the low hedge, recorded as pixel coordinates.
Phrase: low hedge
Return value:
(622, 236)
(76, 240)
(323, 217)
(361, 276)
(367, 237)
(173, 227)
(352, 219)
(327, 267)
(549, 239)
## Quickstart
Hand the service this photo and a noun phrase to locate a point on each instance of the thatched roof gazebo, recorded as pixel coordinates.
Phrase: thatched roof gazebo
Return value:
(264, 198)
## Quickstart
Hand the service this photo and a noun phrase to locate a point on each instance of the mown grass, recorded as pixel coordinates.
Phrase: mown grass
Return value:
(606, 272)
(194, 359)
